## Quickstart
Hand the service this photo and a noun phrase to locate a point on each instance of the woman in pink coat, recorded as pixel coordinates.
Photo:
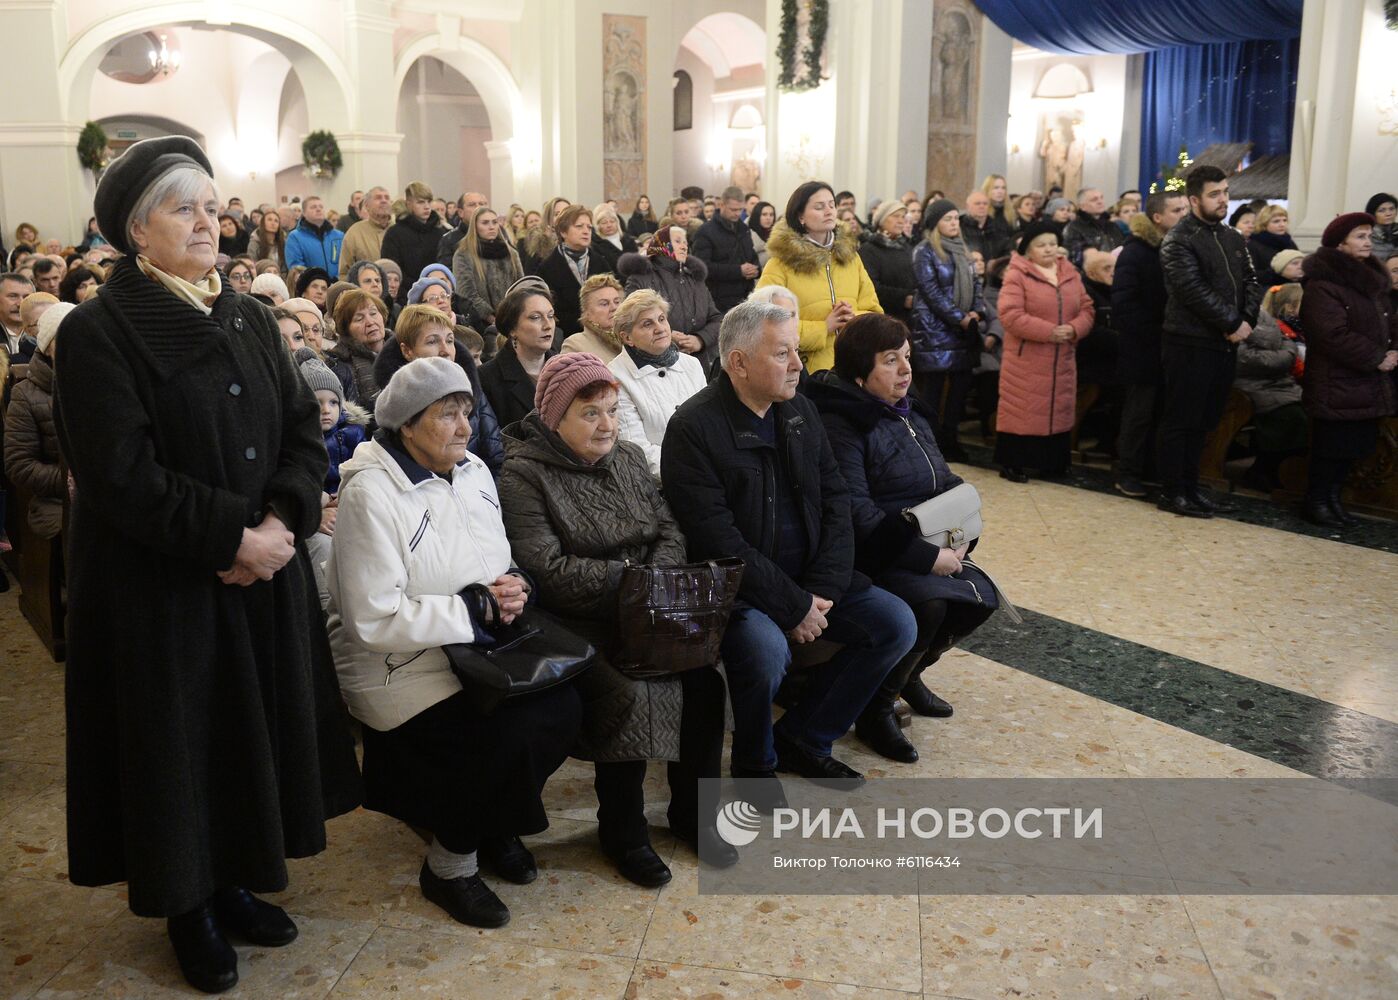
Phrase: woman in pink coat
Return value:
(1045, 309)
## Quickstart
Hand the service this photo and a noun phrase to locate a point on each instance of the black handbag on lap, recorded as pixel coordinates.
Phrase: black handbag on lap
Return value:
(532, 653)
(672, 618)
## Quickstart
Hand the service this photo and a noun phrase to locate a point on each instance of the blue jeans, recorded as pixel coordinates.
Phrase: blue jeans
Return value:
(876, 629)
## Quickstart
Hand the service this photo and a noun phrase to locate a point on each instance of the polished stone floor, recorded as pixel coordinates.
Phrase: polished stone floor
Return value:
(1152, 646)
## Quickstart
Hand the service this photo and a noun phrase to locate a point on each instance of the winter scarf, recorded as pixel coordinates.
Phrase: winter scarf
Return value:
(666, 359)
(964, 275)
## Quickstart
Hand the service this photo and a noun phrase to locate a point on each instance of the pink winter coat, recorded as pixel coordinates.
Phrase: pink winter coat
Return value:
(1039, 378)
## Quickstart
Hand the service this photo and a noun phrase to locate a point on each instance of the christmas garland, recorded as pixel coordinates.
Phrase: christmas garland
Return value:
(787, 79)
(1390, 12)
(92, 147)
(321, 154)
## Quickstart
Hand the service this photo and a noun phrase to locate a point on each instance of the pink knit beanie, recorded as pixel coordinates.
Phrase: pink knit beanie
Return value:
(562, 379)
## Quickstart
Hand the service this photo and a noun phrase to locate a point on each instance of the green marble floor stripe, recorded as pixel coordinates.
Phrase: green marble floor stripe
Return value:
(1296, 730)
(1374, 533)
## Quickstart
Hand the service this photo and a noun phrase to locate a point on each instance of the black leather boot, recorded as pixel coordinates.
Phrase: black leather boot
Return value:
(924, 702)
(877, 726)
(207, 960)
(256, 921)
(1345, 518)
(1317, 510)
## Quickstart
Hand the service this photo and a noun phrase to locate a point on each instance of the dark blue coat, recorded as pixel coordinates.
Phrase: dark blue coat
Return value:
(340, 442)
(939, 344)
(890, 463)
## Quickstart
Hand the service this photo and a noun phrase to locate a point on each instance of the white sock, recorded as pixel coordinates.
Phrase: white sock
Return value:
(445, 864)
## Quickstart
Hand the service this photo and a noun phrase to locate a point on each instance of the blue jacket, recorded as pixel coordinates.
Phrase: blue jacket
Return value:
(311, 246)
(939, 344)
(341, 440)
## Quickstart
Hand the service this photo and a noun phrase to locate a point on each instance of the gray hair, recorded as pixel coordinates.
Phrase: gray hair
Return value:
(770, 293)
(182, 183)
(744, 325)
(731, 193)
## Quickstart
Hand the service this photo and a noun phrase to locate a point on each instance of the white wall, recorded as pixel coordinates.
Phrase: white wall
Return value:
(1104, 111)
(692, 146)
(1373, 157)
(449, 153)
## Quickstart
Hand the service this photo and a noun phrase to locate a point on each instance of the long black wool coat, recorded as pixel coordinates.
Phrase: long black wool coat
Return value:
(206, 740)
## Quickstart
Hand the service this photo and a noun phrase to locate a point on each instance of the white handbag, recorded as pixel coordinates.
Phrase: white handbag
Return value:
(949, 520)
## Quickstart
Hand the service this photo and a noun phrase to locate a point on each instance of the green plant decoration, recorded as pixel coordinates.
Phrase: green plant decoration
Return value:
(787, 77)
(92, 148)
(321, 154)
(1174, 176)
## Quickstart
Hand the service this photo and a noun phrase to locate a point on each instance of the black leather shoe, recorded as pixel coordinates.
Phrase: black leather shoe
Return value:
(1320, 512)
(467, 900)
(878, 728)
(824, 771)
(713, 849)
(256, 921)
(1345, 518)
(640, 865)
(207, 960)
(1183, 506)
(924, 702)
(509, 858)
(1014, 475)
(1211, 505)
(762, 788)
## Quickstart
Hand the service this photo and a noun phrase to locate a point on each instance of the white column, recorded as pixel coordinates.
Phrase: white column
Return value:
(1325, 97)
(502, 175)
(41, 181)
(370, 150)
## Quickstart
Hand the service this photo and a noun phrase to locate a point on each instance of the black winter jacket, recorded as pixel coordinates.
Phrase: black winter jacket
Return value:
(1095, 232)
(610, 251)
(890, 266)
(451, 239)
(1209, 282)
(1138, 305)
(725, 247)
(719, 477)
(412, 245)
(485, 428)
(692, 308)
(1262, 247)
(563, 282)
(993, 239)
(508, 386)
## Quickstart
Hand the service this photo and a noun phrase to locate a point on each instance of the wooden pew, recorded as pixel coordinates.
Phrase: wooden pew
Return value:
(1236, 414)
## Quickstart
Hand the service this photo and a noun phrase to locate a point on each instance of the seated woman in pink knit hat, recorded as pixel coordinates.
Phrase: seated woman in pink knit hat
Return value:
(578, 504)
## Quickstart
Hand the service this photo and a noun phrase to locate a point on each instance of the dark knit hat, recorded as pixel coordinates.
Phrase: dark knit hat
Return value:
(1032, 232)
(563, 378)
(1382, 198)
(311, 274)
(935, 211)
(1341, 226)
(131, 175)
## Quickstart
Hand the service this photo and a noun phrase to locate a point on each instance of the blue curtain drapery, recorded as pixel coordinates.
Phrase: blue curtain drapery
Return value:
(1096, 27)
(1203, 94)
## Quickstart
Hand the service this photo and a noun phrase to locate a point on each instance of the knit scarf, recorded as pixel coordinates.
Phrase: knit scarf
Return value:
(201, 296)
(496, 249)
(577, 260)
(964, 275)
(664, 360)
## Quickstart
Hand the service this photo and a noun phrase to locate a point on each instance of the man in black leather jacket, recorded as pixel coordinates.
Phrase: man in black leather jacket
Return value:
(1213, 298)
(1093, 228)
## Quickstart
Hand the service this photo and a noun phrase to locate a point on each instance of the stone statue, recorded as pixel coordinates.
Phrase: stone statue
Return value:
(955, 60)
(1063, 152)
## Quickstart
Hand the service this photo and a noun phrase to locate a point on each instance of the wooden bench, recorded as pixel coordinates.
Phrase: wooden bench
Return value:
(1236, 414)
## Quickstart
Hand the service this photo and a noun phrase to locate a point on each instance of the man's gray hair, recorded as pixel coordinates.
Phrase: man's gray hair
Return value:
(732, 193)
(770, 294)
(744, 326)
(182, 184)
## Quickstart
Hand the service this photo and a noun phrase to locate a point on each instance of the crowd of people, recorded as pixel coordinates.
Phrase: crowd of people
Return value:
(302, 454)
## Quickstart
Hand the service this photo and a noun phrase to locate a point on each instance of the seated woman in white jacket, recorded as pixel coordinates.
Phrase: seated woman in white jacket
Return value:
(655, 376)
(419, 522)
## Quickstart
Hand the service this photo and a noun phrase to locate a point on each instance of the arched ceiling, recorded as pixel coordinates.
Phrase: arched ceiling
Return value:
(725, 42)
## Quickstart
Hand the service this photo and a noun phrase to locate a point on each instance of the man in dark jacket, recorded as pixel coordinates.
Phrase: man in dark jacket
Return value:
(466, 207)
(411, 242)
(989, 234)
(1212, 300)
(351, 215)
(1092, 228)
(1138, 304)
(724, 244)
(748, 471)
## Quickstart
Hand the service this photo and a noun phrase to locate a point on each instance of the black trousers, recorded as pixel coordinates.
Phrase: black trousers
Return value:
(940, 624)
(1335, 446)
(621, 801)
(1197, 380)
(1135, 439)
(945, 394)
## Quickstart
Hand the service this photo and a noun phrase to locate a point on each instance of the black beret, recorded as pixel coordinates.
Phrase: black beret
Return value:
(132, 174)
(311, 274)
(1032, 232)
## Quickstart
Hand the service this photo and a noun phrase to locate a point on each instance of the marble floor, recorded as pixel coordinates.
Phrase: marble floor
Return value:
(1140, 623)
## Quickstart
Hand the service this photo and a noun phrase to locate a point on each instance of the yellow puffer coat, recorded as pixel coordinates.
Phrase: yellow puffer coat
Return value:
(819, 278)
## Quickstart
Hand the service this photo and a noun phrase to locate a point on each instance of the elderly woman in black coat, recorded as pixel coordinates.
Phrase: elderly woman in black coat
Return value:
(669, 268)
(205, 736)
(883, 441)
(579, 504)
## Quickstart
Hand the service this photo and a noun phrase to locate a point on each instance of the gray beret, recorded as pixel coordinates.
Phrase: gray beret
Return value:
(317, 374)
(131, 175)
(415, 387)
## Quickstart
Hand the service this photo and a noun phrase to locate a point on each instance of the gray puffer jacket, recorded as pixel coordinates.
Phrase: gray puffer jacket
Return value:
(32, 458)
(572, 527)
(1265, 361)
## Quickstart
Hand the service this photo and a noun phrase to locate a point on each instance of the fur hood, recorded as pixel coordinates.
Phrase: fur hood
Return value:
(802, 256)
(631, 265)
(1367, 276)
(1145, 229)
(353, 413)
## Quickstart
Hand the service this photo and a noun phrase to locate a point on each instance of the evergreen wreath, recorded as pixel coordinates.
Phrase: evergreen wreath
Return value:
(92, 147)
(321, 154)
(787, 78)
(1390, 14)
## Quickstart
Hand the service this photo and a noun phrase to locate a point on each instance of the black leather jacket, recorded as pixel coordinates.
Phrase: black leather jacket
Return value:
(1209, 281)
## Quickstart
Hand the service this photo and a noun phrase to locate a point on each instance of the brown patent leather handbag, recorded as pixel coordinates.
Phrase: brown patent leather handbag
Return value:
(671, 618)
